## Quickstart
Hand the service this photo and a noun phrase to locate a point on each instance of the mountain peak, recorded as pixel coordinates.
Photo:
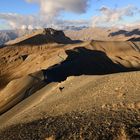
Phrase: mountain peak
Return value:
(41, 36)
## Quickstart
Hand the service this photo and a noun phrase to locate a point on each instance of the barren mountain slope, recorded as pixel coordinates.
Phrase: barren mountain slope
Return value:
(70, 90)
(88, 107)
(19, 61)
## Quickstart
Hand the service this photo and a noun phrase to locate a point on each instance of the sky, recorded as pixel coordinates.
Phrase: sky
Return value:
(31, 14)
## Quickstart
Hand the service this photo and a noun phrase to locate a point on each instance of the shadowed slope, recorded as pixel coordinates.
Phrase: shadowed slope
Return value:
(79, 61)
(16, 60)
(82, 61)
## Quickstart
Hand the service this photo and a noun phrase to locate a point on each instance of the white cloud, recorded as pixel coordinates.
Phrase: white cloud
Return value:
(112, 17)
(132, 24)
(29, 22)
(19, 21)
(53, 8)
(48, 16)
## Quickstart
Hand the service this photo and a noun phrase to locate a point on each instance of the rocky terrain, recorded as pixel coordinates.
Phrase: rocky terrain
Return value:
(56, 87)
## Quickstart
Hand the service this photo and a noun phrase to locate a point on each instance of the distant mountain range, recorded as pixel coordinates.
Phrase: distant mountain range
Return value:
(40, 37)
(7, 35)
(105, 34)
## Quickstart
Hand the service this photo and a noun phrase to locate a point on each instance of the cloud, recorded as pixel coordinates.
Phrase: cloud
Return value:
(19, 21)
(29, 21)
(48, 16)
(53, 8)
(132, 24)
(113, 16)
